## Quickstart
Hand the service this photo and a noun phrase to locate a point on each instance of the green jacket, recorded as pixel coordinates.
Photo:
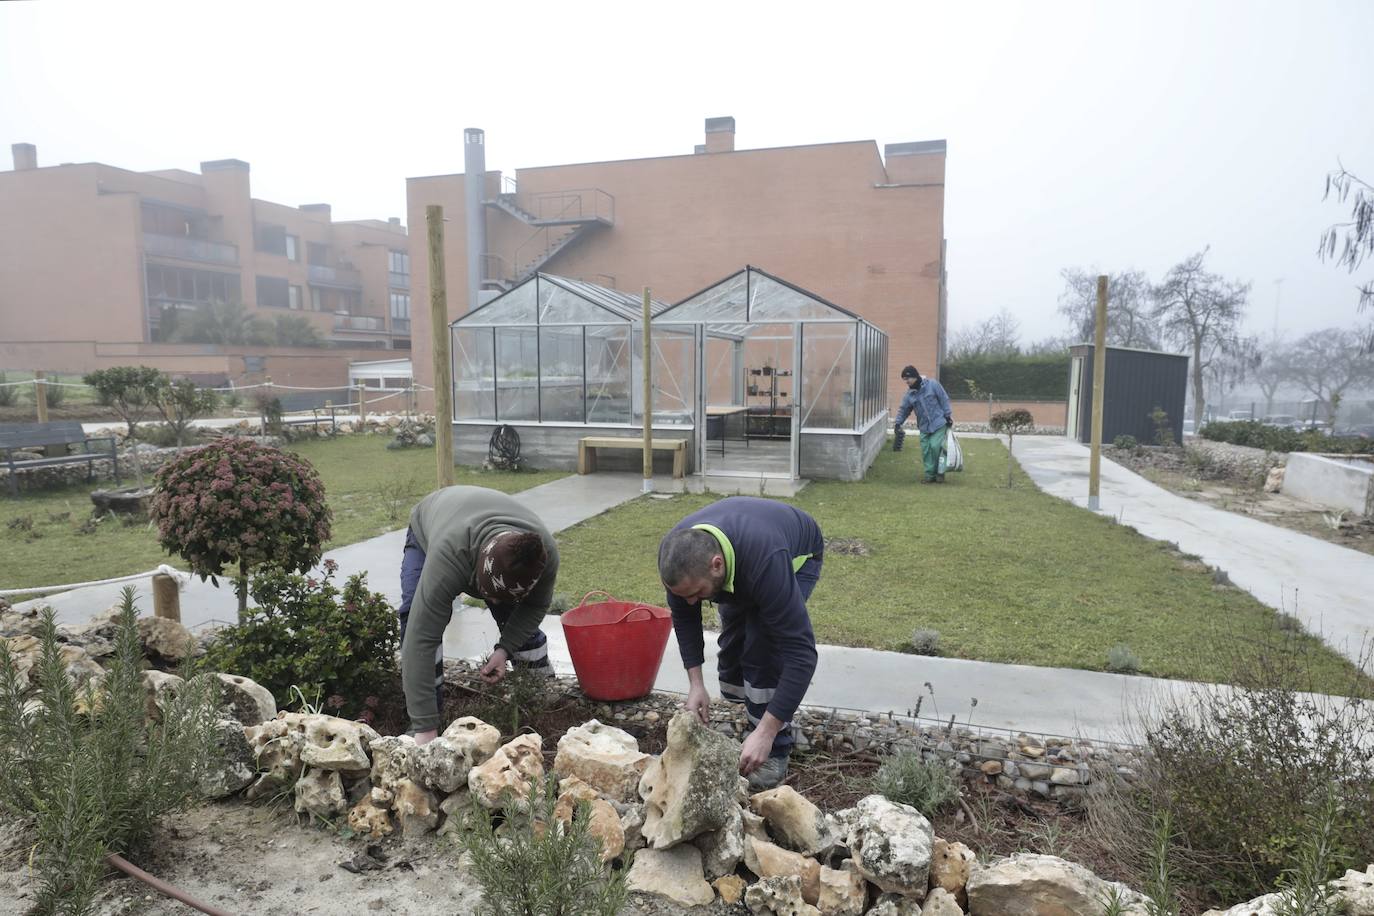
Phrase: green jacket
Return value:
(451, 525)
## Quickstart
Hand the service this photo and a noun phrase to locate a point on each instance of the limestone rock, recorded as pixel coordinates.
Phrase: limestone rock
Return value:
(319, 793)
(604, 757)
(796, 823)
(778, 896)
(941, 903)
(632, 822)
(603, 823)
(843, 892)
(158, 688)
(1273, 481)
(1036, 885)
(755, 827)
(474, 739)
(891, 845)
(392, 761)
(508, 777)
(417, 810)
(165, 640)
(244, 698)
(456, 810)
(731, 888)
(673, 873)
(722, 850)
(234, 766)
(367, 818)
(277, 745)
(690, 789)
(895, 905)
(769, 861)
(950, 864)
(1353, 893)
(441, 765)
(335, 744)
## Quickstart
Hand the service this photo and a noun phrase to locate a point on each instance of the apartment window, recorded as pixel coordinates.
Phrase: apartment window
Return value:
(318, 252)
(316, 299)
(400, 305)
(182, 284)
(273, 292)
(399, 262)
(271, 239)
(294, 297)
(293, 248)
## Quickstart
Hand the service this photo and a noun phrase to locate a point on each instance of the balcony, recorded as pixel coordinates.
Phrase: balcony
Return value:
(189, 249)
(400, 325)
(359, 323)
(337, 277)
(398, 281)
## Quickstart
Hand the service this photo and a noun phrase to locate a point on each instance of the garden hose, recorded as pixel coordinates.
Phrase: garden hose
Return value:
(175, 893)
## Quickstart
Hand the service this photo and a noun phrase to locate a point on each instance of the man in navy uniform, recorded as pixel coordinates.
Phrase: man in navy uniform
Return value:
(758, 560)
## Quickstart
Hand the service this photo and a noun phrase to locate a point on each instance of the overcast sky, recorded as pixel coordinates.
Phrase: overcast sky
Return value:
(1110, 135)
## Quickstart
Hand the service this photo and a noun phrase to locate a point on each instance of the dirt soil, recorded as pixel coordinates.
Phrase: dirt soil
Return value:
(1170, 470)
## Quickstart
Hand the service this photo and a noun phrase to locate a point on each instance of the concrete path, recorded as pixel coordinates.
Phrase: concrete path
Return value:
(1328, 587)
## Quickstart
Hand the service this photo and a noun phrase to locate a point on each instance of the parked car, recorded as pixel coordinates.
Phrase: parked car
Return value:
(1241, 415)
(1361, 432)
(1282, 421)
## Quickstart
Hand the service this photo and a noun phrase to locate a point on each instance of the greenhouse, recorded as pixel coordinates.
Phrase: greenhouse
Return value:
(761, 377)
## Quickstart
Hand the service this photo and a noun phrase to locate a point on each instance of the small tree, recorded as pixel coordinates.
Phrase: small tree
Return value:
(181, 402)
(1009, 423)
(240, 504)
(297, 331)
(131, 391)
(1328, 362)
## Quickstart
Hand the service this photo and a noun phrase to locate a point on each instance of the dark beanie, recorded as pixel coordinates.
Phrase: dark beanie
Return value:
(510, 564)
(910, 372)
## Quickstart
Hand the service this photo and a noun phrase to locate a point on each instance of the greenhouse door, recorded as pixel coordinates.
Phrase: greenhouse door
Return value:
(747, 410)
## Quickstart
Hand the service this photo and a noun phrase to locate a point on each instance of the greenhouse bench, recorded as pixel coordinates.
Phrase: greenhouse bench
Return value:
(26, 437)
(588, 445)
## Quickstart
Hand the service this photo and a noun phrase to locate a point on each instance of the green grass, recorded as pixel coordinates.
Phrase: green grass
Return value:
(370, 489)
(1003, 575)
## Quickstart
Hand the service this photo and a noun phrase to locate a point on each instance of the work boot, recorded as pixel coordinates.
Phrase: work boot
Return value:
(939, 478)
(769, 775)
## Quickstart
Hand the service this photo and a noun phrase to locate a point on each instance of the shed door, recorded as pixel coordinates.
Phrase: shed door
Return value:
(1075, 383)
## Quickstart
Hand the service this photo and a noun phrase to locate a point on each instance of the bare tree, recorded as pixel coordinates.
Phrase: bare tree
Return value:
(1055, 344)
(1233, 362)
(1349, 243)
(1129, 319)
(1199, 312)
(1328, 362)
(999, 335)
(1274, 370)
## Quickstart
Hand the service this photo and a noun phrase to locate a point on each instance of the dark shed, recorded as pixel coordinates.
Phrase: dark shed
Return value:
(1138, 381)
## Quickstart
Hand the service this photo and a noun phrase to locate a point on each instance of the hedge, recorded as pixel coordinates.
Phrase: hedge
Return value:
(1280, 439)
(1008, 377)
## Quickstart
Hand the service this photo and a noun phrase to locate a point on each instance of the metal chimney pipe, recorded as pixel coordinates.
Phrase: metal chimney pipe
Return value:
(474, 193)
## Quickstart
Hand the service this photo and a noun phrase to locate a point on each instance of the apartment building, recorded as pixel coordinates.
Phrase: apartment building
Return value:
(860, 226)
(104, 266)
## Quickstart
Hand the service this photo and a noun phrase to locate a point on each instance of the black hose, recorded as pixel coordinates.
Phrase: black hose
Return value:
(503, 451)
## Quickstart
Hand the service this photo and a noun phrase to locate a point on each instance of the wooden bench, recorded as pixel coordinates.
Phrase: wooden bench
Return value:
(22, 437)
(588, 445)
(318, 415)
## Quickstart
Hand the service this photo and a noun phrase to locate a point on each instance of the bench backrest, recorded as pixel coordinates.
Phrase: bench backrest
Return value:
(20, 435)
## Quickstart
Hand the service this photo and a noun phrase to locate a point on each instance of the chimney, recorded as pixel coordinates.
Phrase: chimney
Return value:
(394, 222)
(720, 135)
(918, 163)
(324, 210)
(475, 213)
(25, 156)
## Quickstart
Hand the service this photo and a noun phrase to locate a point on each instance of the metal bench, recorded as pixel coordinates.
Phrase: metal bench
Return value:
(23, 437)
(318, 415)
(587, 447)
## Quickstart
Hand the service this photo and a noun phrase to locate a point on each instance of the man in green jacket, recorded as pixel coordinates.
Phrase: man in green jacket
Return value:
(475, 541)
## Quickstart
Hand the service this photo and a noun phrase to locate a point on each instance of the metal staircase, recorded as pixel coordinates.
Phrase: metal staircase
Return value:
(558, 218)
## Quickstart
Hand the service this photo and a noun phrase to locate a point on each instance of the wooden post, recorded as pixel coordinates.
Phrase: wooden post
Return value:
(362, 403)
(438, 324)
(40, 395)
(166, 597)
(648, 401)
(1099, 388)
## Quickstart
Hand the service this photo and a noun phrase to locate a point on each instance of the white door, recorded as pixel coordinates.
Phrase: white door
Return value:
(1075, 383)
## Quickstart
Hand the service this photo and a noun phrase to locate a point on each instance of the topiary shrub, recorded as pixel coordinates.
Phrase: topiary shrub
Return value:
(239, 504)
(338, 646)
(1009, 423)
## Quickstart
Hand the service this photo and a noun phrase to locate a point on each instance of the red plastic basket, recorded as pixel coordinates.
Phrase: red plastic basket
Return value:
(616, 646)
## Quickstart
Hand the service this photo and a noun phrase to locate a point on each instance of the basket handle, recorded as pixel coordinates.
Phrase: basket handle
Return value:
(635, 610)
(596, 591)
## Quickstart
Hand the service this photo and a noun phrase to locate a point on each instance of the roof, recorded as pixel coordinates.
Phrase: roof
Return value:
(515, 307)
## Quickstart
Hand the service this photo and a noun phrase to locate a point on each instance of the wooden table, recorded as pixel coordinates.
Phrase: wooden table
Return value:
(721, 416)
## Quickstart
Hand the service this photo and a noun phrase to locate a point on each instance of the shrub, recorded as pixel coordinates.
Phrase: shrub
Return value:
(240, 504)
(9, 393)
(925, 785)
(96, 782)
(1006, 377)
(537, 866)
(1255, 434)
(306, 633)
(1164, 432)
(1122, 660)
(54, 393)
(1009, 423)
(1125, 442)
(271, 413)
(180, 403)
(925, 642)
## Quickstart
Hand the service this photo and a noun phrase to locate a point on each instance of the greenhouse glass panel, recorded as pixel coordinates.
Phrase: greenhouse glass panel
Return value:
(608, 374)
(559, 306)
(722, 302)
(474, 375)
(827, 383)
(514, 307)
(517, 374)
(724, 365)
(770, 300)
(560, 374)
(673, 375)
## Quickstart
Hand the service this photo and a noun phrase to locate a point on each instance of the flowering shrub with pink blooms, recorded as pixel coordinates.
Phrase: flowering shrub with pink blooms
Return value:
(243, 505)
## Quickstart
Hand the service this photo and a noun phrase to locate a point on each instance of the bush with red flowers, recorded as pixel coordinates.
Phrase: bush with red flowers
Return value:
(237, 504)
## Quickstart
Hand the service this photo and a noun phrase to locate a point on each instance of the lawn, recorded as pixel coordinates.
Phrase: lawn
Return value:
(1003, 575)
(370, 489)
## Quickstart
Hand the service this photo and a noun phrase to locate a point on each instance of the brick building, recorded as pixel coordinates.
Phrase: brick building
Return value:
(860, 228)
